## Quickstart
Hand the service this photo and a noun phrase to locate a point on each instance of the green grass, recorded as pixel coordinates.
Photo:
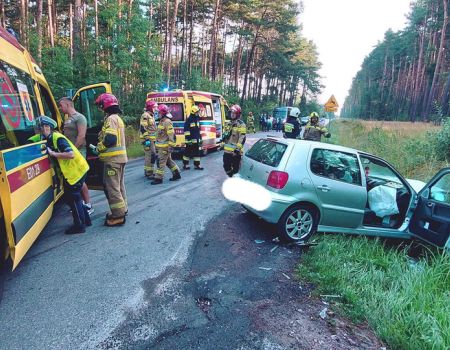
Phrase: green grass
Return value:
(134, 145)
(407, 303)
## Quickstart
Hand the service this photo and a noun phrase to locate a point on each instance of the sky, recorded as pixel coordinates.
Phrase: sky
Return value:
(345, 32)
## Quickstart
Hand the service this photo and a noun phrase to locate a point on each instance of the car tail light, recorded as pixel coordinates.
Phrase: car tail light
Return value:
(277, 179)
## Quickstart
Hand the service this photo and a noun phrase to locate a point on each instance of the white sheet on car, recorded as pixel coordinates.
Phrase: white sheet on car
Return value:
(382, 201)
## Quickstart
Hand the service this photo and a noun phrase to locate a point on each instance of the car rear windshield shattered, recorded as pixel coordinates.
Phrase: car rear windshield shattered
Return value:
(267, 152)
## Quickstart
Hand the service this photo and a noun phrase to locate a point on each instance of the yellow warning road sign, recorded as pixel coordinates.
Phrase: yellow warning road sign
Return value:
(331, 105)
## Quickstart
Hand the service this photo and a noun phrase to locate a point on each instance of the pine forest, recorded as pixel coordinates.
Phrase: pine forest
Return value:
(251, 51)
(407, 75)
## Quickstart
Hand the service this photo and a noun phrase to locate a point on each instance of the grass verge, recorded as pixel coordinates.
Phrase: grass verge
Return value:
(405, 301)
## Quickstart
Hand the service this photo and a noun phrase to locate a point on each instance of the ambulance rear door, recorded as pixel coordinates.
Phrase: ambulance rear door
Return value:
(84, 102)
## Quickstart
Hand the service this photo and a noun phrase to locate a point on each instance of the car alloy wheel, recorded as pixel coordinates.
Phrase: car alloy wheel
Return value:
(298, 223)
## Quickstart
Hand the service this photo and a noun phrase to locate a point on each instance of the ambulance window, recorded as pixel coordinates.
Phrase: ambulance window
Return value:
(217, 110)
(85, 104)
(18, 107)
(176, 109)
(205, 111)
(47, 103)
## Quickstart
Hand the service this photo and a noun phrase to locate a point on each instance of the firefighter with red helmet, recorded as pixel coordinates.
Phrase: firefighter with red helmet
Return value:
(193, 139)
(165, 141)
(113, 153)
(234, 142)
(148, 137)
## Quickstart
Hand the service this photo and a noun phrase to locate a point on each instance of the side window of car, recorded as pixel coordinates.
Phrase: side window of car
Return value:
(440, 191)
(336, 165)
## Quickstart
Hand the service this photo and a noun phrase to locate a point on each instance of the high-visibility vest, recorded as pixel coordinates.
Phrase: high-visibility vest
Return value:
(73, 169)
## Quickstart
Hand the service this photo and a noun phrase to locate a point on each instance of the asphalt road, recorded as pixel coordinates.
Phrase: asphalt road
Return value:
(71, 292)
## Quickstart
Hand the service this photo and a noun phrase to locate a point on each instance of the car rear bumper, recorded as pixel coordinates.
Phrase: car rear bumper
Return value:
(279, 203)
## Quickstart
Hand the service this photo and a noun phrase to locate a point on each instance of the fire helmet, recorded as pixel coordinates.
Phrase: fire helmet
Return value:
(106, 100)
(236, 110)
(194, 109)
(163, 110)
(150, 105)
(294, 112)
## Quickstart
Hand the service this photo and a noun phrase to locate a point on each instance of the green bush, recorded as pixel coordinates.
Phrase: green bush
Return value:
(442, 141)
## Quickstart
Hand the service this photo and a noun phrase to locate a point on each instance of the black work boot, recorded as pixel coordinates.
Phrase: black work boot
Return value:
(156, 181)
(176, 176)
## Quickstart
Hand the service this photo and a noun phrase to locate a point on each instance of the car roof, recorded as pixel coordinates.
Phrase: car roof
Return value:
(315, 144)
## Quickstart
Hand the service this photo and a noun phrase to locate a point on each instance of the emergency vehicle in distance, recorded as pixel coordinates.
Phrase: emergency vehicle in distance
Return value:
(213, 112)
(30, 185)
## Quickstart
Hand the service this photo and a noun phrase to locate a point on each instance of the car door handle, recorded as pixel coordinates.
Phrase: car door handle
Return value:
(430, 204)
(324, 188)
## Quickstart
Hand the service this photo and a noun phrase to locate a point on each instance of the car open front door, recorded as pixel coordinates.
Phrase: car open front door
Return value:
(84, 101)
(27, 182)
(431, 218)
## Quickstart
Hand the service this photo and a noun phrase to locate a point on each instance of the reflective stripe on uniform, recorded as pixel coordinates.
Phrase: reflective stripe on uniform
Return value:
(161, 145)
(174, 168)
(229, 147)
(185, 158)
(117, 205)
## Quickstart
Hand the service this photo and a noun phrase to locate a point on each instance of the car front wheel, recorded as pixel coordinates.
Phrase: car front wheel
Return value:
(298, 223)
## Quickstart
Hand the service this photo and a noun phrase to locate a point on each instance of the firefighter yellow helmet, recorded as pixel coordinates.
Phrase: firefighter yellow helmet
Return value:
(194, 109)
(314, 114)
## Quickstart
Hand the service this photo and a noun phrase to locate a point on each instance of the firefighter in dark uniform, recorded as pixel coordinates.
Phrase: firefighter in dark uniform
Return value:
(74, 169)
(147, 133)
(112, 152)
(292, 127)
(234, 142)
(313, 131)
(193, 139)
(165, 141)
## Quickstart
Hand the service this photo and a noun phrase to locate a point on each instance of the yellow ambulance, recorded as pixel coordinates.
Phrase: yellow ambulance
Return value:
(29, 184)
(213, 110)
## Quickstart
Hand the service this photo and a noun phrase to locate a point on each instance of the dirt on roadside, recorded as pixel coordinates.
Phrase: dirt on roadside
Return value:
(259, 274)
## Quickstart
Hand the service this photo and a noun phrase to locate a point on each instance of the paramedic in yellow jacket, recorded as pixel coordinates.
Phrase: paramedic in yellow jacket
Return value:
(165, 141)
(234, 142)
(113, 154)
(148, 137)
(74, 169)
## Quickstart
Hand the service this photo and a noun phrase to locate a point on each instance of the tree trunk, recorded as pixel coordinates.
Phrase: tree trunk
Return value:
(183, 41)
(438, 61)
(70, 30)
(2, 14)
(237, 69)
(23, 23)
(39, 29)
(191, 33)
(96, 19)
(247, 67)
(169, 51)
(77, 36)
(50, 23)
(166, 36)
(212, 50)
